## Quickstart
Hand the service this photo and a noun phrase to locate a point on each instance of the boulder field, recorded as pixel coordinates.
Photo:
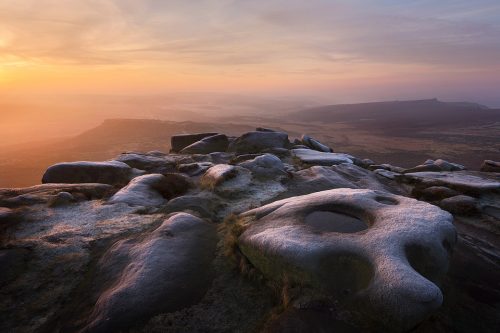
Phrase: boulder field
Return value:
(256, 233)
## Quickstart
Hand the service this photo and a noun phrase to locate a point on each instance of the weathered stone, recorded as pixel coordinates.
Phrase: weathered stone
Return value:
(434, 193)
(204, 205)
(151, 190)
(314, 157)
(466, 182)
(150, 162)
(435, 166)
(378, 254)
(194, 169)
(181, 141)
(226, 179)
(266, 166)
(314, 144)
(61, 199)
(460, 204)
(490, 166)
(46, 192)
(255, 142)
(210, 144)
(111, 172)
(166, 271)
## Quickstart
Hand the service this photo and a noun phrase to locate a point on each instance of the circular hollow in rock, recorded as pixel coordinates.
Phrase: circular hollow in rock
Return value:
(326, 221)
(386, 200)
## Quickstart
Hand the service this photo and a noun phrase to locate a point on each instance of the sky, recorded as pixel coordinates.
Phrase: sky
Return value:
(345, 51)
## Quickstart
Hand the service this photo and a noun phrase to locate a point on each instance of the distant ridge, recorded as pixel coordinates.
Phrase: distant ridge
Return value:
(402, 114)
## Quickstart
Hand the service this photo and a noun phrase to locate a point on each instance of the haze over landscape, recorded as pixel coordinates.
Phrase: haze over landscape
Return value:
(249, 166)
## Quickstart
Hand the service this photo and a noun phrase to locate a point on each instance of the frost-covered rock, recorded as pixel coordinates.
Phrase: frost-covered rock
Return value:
(265, 166)
(151, 190)
(313, 157)
(378, 254)
(164, 272)
(225, 179)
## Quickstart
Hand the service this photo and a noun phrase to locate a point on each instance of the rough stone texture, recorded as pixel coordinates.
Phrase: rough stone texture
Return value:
(313, 157)
(387, 167)
(61, 241)
(12, 263)
(255, 142)
(204, 204)
(61, 199)
(111, 172)
(314, 144)
(466, 182)
(266, 166)
(460, 204)
(143, 191)
(225, 179)
(152, 162)
(490, 166)
(434, 193)
(207, 145)
(194, 169)
(152, 189)
(181, 141)
(5, 214)
(47, 192)
(164, 272)
(435, 166)
(385, 273)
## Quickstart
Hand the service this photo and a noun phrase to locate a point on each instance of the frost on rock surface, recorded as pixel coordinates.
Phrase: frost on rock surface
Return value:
(387, 269)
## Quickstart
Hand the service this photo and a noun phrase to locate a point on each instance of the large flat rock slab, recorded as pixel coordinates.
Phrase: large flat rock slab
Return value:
(463, 181)
(314, 157)
(378, 254)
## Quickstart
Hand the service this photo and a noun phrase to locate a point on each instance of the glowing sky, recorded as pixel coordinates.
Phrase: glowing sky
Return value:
(347, 50)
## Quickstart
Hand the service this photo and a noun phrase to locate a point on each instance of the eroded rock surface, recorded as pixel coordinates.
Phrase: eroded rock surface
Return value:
(347, 247)
(168, 270)
(258, 141)
(387, 268)
(207, 145)
(313, 157)
(111, 172)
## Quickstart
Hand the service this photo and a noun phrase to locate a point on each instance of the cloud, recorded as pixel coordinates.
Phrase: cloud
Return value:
(215, 33)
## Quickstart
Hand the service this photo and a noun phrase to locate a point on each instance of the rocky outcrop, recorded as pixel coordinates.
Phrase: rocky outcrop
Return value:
(323, 241)
(168, 270)
(207, 145)
(258, 141)
(376, 253)
(112, 173)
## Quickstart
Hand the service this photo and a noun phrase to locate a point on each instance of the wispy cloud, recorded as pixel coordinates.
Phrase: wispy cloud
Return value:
(316, 37)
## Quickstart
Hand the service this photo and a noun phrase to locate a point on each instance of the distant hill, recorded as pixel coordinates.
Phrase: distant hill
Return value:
(401, 115)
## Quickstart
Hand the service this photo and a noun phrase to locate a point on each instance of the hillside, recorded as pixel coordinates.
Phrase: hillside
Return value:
(399, 116)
